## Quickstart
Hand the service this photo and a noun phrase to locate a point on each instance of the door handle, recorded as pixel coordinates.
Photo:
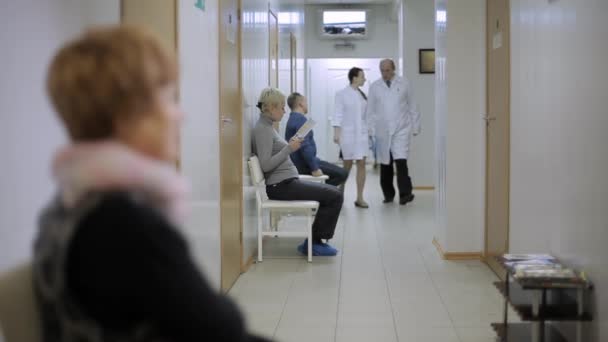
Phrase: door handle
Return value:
(226, 120)
(488, 118)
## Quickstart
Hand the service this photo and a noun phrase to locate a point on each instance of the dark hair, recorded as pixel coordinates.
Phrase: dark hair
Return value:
(292, 100)
(352, 73)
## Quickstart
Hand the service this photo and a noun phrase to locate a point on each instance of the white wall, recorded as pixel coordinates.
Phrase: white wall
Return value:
(327, 76)
(460, 136)
(382, 41)
(400, 8)
(419, 33)
(441, 113)
(30, 33)
(254, 78)
(298, 29)
(94, 12)
(559, 184)
(199, 97)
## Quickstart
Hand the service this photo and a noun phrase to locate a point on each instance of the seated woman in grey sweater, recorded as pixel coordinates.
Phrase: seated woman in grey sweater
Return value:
(281, 175)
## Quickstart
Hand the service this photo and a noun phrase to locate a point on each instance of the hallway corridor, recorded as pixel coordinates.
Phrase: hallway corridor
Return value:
(387, 284)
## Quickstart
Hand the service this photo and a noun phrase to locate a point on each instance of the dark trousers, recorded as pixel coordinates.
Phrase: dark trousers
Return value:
(329, 197)
(404, 182)
(337, 175)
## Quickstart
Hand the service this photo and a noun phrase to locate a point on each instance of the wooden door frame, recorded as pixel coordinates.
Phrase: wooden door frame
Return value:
(239, 8)
(293, 62)
(239, 132)
(272, 13)
(489, 259)
(175, 43)
(175, 20)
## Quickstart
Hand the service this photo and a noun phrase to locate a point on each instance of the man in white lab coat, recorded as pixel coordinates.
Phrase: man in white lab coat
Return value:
(392, 120)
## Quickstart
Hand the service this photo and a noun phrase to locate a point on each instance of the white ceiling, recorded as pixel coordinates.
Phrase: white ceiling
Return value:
(333, 2)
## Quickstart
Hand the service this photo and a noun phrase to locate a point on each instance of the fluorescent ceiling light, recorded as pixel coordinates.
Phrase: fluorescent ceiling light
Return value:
(442, 16)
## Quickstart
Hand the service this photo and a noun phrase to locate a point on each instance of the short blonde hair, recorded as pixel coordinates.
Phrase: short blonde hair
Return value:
(108, 74)
(269, 98)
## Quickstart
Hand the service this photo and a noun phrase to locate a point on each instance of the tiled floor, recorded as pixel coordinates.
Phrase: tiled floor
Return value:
(387, 284)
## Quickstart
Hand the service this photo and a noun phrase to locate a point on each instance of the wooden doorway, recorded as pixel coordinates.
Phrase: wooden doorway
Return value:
(325, 78)
(497, 131)
(273, 53)
(293, 62)
(160, 16)
(231, 187)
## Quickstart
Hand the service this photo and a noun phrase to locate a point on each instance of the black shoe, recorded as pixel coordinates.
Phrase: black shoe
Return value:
(388, 200)
(406, 199)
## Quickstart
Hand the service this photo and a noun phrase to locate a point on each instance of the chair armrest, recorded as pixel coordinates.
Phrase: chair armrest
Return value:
(309, 178)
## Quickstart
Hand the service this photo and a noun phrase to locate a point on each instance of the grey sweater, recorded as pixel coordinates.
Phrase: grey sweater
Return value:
(273, 152)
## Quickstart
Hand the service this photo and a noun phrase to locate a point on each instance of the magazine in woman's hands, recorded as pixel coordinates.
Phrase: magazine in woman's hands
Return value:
(305, 129)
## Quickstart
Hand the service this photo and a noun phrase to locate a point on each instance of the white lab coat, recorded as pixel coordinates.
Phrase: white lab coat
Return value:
(350, 111)
(392, 118)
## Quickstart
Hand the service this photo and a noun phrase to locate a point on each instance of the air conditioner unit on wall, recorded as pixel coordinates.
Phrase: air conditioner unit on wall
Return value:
(345, 23)
(345, 45)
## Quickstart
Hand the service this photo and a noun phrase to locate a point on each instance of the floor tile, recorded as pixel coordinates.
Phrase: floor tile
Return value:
(425, 334)
(387, 284)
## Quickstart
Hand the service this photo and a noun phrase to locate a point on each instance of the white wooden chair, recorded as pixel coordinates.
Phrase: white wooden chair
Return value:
(309, 178)
(19, 318)
(275, 214)
(307, 208)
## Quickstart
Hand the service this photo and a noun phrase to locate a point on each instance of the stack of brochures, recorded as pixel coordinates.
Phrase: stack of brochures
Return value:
(539, 268)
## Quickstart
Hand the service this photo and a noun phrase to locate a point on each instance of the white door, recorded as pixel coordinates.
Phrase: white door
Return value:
(337, 79)
(326, 77)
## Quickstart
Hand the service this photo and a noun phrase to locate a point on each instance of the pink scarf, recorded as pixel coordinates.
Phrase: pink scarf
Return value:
(109, 165)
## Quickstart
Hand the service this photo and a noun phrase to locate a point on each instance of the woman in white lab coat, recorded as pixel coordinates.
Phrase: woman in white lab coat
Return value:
(350, 128)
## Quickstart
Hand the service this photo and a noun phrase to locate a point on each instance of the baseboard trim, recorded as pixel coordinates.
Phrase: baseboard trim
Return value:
(458, 255)
(439, 248)
(464, 256)
(245, 267)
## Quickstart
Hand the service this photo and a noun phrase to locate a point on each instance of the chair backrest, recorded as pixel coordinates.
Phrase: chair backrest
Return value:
(257, 175)
(19, 318)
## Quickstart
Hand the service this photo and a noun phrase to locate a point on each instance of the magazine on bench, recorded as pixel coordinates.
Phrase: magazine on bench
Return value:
(519, 257)
(541, 270)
